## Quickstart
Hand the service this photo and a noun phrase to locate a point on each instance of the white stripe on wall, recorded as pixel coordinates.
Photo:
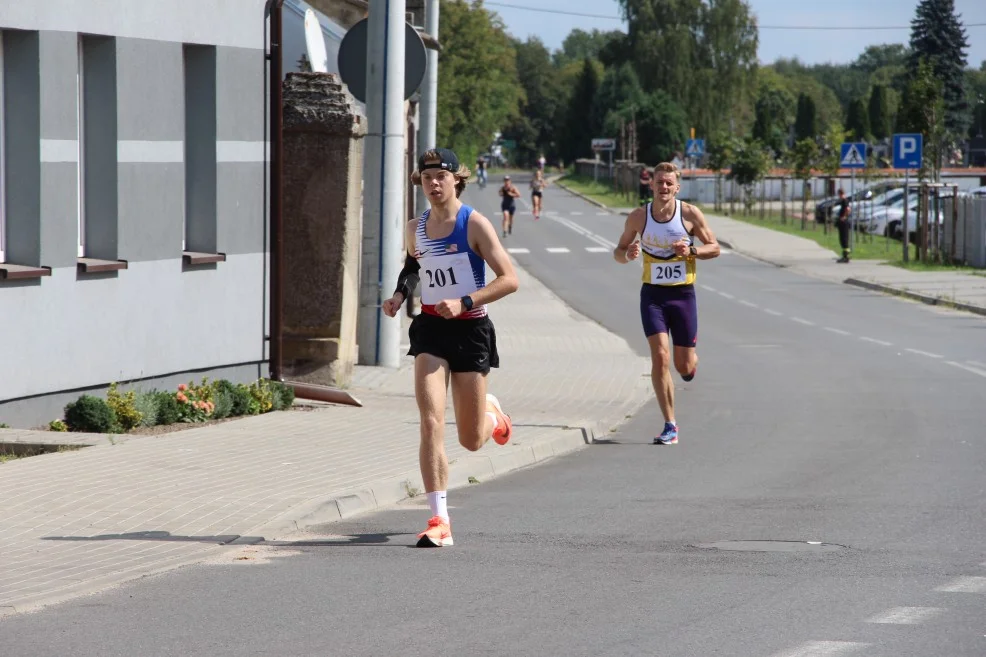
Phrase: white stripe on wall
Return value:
(240, 151)
(150, 151)
(59, 150)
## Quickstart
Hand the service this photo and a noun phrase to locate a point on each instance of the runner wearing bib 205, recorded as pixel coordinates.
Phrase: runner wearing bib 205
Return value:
(662, 231)
(453, 339)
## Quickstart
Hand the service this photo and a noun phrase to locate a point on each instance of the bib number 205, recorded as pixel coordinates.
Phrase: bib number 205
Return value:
(667, 273)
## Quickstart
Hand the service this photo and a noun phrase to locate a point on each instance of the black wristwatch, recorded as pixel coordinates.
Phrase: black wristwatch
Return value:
(467, 302)
(692, 250)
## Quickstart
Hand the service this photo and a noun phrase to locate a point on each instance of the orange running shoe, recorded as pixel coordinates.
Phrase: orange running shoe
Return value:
(504, 429)
(438, 534)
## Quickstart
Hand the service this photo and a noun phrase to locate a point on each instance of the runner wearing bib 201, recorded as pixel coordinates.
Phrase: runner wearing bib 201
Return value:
(667, 295)
(453, 341)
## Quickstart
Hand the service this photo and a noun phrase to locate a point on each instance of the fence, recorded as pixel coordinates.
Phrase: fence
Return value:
(965, 236)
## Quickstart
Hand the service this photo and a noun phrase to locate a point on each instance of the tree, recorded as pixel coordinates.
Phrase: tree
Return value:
(880, 56)
(923, 110)
(803, 157)
(774, 112)
(472, 107)
(937, 37)
(580, 44)
(805, 123)
(579, 129)
(751, 162)
(858, 120)
(619, 92)
(879, 113)
(719, 154)
(662, 127)
(534, 129)
(702, 53)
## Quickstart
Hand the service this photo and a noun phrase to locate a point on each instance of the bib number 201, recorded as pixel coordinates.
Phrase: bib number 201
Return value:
(667, 274)
(438, 278)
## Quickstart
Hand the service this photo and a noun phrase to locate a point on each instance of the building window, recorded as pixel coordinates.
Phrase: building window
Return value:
(200, 228)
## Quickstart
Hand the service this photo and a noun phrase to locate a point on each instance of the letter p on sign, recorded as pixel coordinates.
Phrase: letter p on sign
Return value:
(908, 151)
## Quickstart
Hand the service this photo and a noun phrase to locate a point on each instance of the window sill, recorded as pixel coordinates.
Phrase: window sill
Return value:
(95, 265)
(197, 258)
(12, 272)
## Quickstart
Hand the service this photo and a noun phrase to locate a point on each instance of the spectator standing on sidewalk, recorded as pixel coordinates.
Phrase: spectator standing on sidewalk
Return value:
(842, 223)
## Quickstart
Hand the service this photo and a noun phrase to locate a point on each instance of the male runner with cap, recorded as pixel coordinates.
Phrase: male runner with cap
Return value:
(667, 296)
(448, 249)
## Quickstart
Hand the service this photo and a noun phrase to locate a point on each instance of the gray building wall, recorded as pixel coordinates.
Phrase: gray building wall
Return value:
(158, 321)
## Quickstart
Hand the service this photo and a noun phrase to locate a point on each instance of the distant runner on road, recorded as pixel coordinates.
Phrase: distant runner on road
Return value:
(663, 231)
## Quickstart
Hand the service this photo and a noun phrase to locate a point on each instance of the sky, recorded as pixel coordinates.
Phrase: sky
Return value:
(810, 46)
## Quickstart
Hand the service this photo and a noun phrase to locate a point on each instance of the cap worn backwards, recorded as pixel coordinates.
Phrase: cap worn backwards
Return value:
(447, 160)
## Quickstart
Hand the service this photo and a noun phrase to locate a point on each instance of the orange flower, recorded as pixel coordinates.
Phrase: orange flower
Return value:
(182, 387)
(182, 398)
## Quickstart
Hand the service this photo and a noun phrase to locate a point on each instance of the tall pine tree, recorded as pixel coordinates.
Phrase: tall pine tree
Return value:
(580, 126)
(805, 123)
(937, 36)
(879, 111)
(857, 120)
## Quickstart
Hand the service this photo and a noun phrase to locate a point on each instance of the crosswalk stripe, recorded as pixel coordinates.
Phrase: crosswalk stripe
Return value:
(518, 250)
(557, 249)
(596, 249)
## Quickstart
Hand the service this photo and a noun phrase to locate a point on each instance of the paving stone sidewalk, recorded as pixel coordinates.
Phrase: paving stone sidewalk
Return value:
(81, 521)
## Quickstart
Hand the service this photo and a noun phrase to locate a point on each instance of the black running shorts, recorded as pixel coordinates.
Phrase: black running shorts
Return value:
(468, 345)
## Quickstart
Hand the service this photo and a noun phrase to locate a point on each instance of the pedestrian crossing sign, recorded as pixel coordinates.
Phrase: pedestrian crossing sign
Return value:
(695, 148)
(853, 155)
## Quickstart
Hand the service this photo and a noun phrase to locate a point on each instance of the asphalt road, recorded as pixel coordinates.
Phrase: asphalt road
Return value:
(832, 440)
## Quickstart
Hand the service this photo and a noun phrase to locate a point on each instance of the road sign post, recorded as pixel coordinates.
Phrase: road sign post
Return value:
(694, 150)
(602, 144)
(908, 154)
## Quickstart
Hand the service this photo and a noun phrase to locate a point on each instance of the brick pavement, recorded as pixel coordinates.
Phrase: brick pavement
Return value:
(79, 522)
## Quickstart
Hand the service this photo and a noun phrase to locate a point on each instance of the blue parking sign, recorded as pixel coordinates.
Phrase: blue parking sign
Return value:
(908, 149)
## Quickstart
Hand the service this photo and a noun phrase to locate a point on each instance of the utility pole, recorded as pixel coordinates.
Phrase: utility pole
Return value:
(428, 131)
(383, 175)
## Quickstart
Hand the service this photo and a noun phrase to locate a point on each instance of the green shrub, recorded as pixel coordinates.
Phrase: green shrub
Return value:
(146, 404)
(261, 392)
(4, 425)
(57, 425)
(243, 401)
(224, 396)
(169, 410)
(124, 407)
(90, 415)
(283, 395)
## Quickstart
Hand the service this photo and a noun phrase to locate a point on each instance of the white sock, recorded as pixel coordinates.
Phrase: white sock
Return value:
(491, 415)
(439, 505)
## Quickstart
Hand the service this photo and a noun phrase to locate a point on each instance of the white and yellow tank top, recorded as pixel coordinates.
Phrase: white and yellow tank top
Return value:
(661, 265)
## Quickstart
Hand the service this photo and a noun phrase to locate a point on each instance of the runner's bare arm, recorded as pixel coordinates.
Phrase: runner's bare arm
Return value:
(701, 230)
(629, 246)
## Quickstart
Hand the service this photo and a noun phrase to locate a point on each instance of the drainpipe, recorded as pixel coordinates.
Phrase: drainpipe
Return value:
(273, 12)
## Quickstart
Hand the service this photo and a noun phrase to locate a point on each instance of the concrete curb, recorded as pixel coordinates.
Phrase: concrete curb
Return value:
(923, 298)
(583, 197)
(397, 488)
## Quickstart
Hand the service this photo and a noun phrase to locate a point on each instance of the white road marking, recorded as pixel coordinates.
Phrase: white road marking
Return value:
(602, 214)
(747, 303)
(976, 363)
(575, 214)
(922, 353)
(707, 287)
(723, 251)
(516, 249)
(965, 585)
(568, 223)
(823, 649)
(835, 330)
(557, 249)
(802, 321)
(727, 295)
(967, 368)
(598, 249)
(883, 343)
(773, 312)
(906, 615)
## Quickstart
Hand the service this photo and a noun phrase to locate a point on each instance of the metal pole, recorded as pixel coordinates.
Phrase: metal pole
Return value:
(852, 210)
(428, 132)
(383, 199)
(276, 158)
(903, 237)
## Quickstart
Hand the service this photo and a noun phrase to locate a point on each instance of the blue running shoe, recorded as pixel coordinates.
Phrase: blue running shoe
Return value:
(669, 436)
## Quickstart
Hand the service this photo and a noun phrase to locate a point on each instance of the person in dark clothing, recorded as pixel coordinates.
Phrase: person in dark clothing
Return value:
(842, 223)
